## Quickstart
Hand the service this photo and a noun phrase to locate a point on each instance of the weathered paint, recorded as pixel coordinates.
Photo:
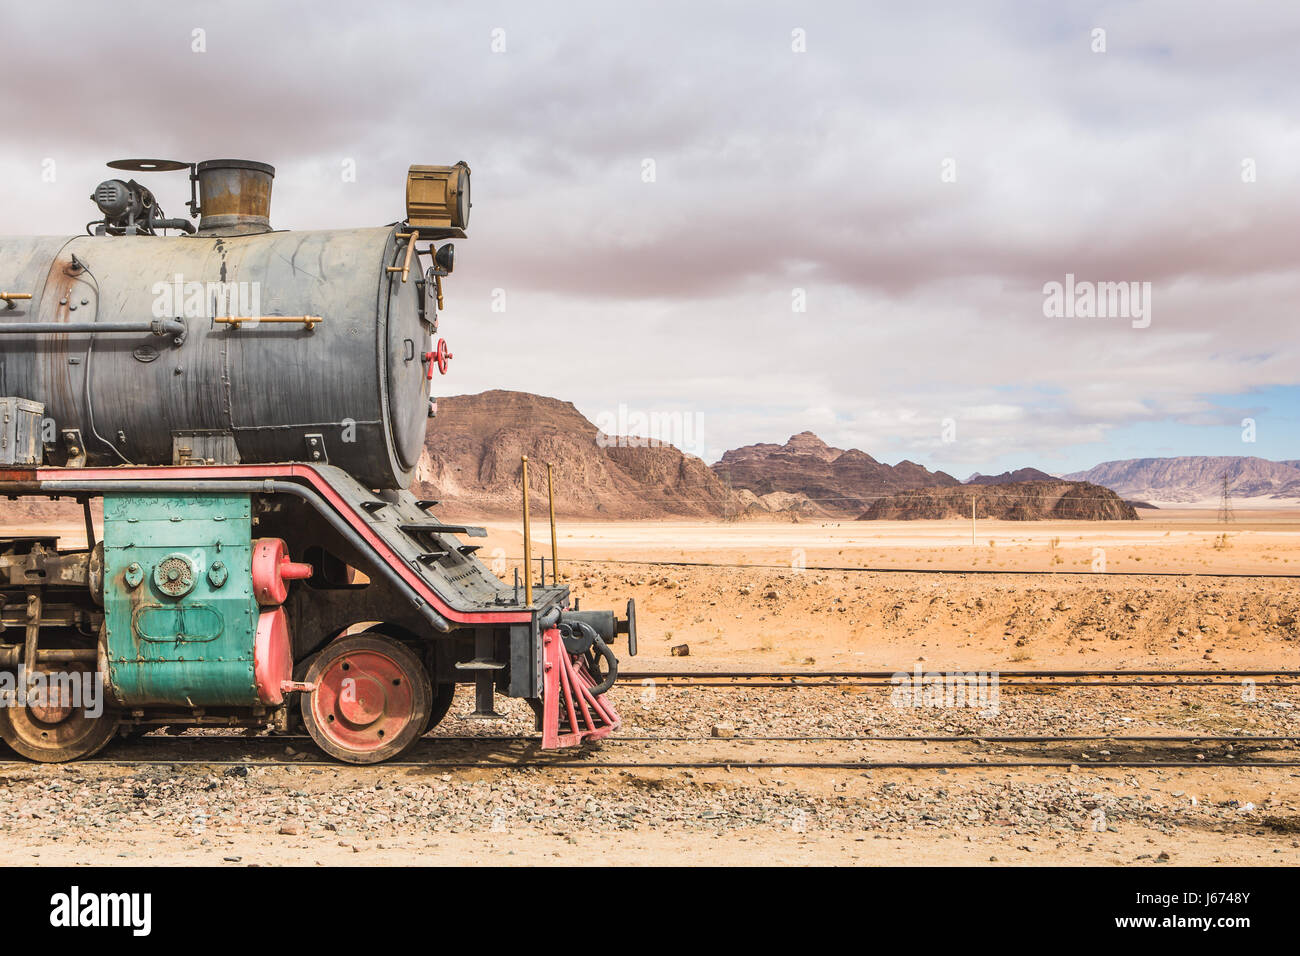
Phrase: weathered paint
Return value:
(177, 636)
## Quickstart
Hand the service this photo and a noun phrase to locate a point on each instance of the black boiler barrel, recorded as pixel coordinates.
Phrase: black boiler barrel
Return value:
(352, 388)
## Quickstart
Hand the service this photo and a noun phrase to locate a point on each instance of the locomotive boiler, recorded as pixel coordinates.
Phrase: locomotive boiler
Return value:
(249, 406)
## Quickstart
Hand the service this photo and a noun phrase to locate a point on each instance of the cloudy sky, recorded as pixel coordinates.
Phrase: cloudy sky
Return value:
(751, 219)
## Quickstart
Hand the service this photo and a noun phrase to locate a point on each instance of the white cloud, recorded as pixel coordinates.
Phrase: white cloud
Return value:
(775, 170)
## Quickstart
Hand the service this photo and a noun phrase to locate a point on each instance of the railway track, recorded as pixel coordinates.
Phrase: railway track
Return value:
(1038, 678)
(766, 753)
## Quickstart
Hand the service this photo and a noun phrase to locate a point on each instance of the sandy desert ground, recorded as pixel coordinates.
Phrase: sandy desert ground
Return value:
(794, 612)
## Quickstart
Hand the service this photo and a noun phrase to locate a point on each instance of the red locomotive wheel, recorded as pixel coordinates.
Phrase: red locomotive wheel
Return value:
(372, 699)
(443, 694)
(54, 730)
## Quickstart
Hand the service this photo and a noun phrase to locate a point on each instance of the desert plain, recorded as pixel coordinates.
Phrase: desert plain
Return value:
(1176, 590)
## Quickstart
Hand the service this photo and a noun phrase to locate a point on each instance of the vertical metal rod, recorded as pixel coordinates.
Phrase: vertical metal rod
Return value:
(550, 493)
(543, 570)
(33, 628)
(528, 543)
(90, 524)
(972, 519)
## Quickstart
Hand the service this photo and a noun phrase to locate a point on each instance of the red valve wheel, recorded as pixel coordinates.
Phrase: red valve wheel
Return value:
(439, 358)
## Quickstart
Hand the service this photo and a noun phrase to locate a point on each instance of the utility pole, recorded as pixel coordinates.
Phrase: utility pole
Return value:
(528, 540)
(1225, 502)
(555, 554)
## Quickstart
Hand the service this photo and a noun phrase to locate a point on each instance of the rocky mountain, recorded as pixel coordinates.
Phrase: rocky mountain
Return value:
(472, 464)
(1195, 478)
(780, 502)
(835, 480)
(1020, 474)
(1013, 501)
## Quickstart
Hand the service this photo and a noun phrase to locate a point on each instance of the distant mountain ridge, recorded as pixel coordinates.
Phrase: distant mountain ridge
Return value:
(1020, 474)
(1010, 501)
(1195, 478)
(473, 450)
(838, 481)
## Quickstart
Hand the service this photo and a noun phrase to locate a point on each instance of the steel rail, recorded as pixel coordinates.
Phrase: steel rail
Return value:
(773, 675)
(810, 738)
(582, 760)
(727, 765)
(1004, 685)
(875, 570)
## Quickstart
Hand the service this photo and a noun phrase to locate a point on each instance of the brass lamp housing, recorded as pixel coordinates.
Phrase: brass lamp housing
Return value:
(437, 197)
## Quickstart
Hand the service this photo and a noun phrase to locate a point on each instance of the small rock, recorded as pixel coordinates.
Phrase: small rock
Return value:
(680, 650)
(290, 829)
(724, 730)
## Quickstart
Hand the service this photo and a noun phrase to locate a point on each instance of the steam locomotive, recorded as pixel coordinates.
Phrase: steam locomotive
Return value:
(249, 407)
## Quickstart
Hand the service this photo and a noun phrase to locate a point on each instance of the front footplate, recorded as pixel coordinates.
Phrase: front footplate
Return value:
(571, 712)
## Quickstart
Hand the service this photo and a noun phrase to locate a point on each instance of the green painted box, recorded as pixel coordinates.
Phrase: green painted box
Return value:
(179, 608)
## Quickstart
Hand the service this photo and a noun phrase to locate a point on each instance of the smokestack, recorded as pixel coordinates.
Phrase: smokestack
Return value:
(234, 197)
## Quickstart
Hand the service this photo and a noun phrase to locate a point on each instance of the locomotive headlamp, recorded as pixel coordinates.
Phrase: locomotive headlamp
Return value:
(437, 197)
(115, 198)
(445, 257)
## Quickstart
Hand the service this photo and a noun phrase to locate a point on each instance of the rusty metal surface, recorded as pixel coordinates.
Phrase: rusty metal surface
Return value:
(20, 431)
(234, 196)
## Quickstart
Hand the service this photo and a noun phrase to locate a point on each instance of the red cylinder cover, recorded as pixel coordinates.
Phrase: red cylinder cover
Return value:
(271, 569)
(272, 656)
